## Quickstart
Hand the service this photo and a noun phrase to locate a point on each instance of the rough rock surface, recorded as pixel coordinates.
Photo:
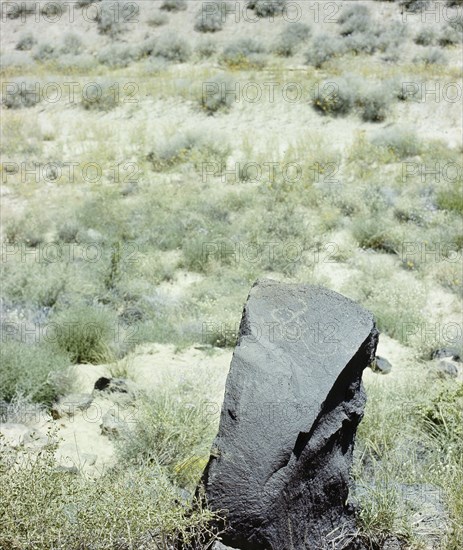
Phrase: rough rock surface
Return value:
(293, 399)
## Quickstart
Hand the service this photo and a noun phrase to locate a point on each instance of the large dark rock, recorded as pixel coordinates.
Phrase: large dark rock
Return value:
(280, 463)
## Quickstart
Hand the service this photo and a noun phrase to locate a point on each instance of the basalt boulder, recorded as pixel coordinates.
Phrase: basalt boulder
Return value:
(280, 464)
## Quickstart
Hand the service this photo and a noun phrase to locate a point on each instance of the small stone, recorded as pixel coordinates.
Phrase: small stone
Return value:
(219, 546)
(110, 425)
(36, 440)
(444, 353)
(112, 385)
(88, 459)
(13, 434)
(94, 236)
(71, 404)
(392, 543)
(446, 368)
(102, 383)
(381, 365)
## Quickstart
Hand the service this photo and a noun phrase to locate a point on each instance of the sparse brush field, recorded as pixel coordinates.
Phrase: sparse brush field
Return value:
(159, 156)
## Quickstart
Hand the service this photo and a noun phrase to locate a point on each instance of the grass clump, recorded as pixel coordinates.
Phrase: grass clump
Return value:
(206, 48)
(68, 231)
(243, 53)
(172, 48)
(211, 16)
(195, 254)
(72, 44)
(442, 415)
(221, 335)
(401, 142)
(26, 42)
(190, 147)
(109, 18)
(449, 276)
(431, 56)
(118, 55)
(135, 507)
(374, 103)
(449, 37)
(40, 285)
(374, 234)
(267, 8)
(426, 37)
(171, 431)
(218, 94)
(442, 423)
(414, 6)
(157, 20)
(354, 19)
(86, 334)
(101, 96)
(174, 5)
(379, 514)
(363, 35)
(456, 23)
(45, 52)
(29, 370)
(22, 9)
(451, 197)
(395, 297)
(291, 38)
(334, 98)
(323, 48)
(21, 93)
